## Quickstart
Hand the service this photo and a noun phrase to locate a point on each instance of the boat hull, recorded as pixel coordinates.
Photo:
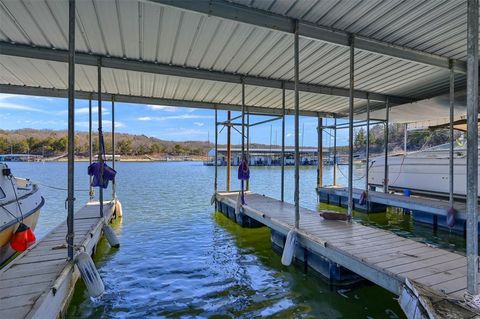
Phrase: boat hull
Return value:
(6, 251)
(420, 175)
(30, 202)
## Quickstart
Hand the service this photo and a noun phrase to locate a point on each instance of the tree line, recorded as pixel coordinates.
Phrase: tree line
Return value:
(54, 143)
(416, 139)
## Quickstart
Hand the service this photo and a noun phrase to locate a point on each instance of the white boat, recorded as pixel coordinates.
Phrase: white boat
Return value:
(423, 172)
(20, 201)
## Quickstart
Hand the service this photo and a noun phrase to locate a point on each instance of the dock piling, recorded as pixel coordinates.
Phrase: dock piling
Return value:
(320, 152)
(114, 188)
(472, 146)
(71, 128)
(450, 163)
(215, 181)
(367, 148)
(91, 192)
(229, 148)
(334, 179)
(282, 181)
(350, 127)
(385, 176)
(297, 139)
(100, 133)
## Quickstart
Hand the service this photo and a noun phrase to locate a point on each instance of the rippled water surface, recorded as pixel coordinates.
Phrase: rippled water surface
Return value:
(180, 259)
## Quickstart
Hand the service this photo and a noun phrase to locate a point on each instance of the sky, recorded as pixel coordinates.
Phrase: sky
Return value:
(161, 121)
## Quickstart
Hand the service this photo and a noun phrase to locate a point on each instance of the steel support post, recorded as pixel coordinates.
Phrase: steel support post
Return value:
(385, 176)
(296, 63)
(335, 152)
(282, 182)
(320, 152)
(100, 134)
(229, 148)
(215, 181)
(71, 129)
(367, 149)
(248, 148)
(350, 128)
(450, 163)
(114, 186)
(91, 192)
(472, 146)
(243, 133)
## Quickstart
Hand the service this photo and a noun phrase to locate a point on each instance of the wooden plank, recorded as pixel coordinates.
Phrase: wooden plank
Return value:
(423, 263)
(22, 290)
(26, 280)
(445, 267)
(411, 258)
(386, 256)
(442, 277)
(14, 312)
(13, 302)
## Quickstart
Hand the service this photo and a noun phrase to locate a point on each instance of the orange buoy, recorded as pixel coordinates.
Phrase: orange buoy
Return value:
(23, 238)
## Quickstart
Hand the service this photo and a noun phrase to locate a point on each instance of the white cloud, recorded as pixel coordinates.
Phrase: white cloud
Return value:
(165, 108)
(199, 124)
(174, 117)
(19, 107)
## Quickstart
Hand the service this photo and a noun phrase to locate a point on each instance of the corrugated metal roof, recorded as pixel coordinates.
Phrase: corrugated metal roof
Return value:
(435, 26)
(146, 31)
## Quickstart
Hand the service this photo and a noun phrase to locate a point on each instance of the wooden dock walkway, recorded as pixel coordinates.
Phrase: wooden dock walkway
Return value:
(424, 204)
(40, 282)
(375, 254)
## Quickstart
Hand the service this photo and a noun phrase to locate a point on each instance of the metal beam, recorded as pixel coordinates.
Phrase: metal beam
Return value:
(451, 155)
(269, 20)
(91, 192)
(62, 93)
(229, 149)
(334, 178)
(101, 144)
(350, 128)
(296, 63)
(319, 152)
(367, 149)
(472, 147)
(282, 179)
(215, 181)
(71, 129)
(181, 71)
(385, 176)
(114, 186)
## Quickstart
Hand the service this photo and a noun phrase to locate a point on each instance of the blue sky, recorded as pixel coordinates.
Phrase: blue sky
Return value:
(161, 121)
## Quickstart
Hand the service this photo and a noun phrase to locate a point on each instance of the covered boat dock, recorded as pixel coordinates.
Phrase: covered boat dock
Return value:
(334, 59)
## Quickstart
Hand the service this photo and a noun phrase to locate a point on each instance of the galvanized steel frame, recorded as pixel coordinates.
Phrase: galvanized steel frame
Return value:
(71, 130)
(472, 146)
(180, 71)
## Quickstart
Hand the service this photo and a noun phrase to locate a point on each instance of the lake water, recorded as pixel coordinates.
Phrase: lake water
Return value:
(180, 259)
